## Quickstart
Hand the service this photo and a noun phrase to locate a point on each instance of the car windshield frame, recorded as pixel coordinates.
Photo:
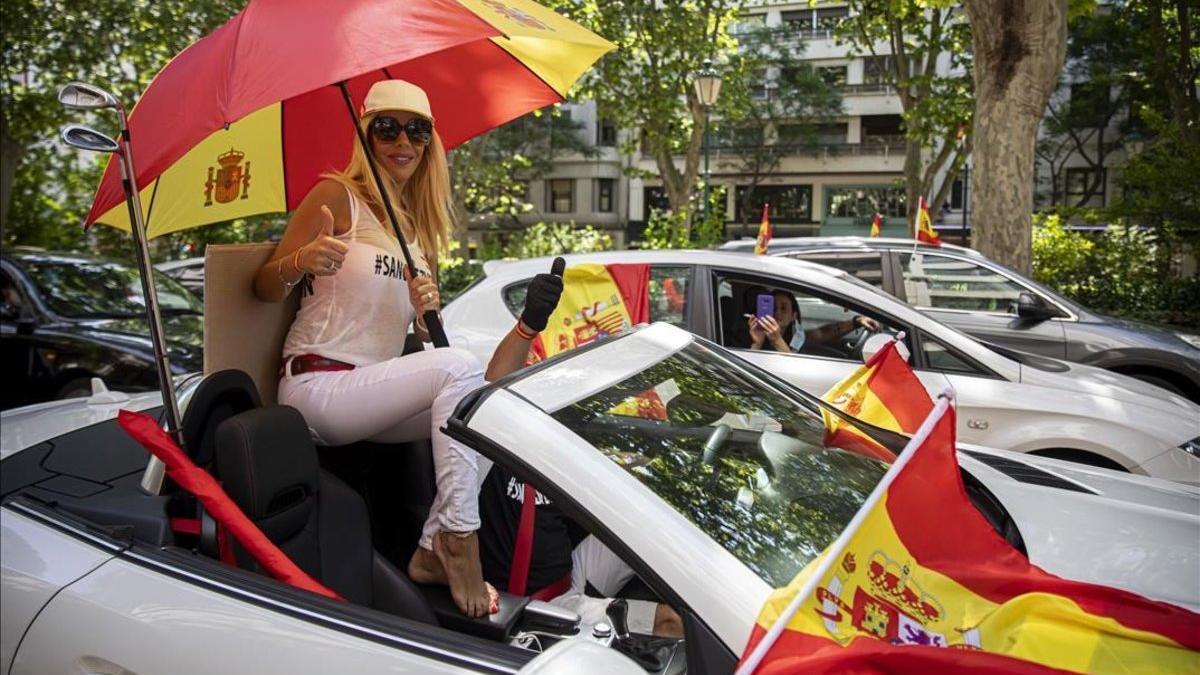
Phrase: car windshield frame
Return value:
(801, 547)
(75, 295)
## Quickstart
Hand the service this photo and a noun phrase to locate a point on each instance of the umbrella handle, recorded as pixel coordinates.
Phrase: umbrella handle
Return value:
(433, 322)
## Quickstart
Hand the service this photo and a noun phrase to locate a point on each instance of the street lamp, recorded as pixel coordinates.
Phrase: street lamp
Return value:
(708, 87)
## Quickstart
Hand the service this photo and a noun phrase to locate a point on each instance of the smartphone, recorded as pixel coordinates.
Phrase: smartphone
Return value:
(766, 305)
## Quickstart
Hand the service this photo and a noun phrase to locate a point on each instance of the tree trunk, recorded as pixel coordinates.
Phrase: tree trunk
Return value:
(1019, 48)
(11, 153)
(912, 181)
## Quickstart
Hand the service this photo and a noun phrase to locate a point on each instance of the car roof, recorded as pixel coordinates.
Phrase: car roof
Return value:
(780, 244)
(732, 259)
(197, 261)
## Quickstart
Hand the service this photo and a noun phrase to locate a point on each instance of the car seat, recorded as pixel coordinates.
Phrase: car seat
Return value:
(268, 465)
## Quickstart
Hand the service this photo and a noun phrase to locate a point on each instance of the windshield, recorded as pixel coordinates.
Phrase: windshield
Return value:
(745, 463)
(82, 289)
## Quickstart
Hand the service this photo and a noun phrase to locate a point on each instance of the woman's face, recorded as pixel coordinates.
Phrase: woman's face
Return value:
(400, 156)
(785, 312)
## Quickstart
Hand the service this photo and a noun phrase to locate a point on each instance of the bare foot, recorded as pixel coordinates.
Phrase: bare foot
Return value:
(425, 568)
(460, 561)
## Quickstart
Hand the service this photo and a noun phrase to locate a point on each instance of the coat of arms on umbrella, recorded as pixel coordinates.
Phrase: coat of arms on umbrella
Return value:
(231, 180)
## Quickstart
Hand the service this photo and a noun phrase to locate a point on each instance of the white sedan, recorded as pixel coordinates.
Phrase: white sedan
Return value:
(1006, 399)
(97, 577)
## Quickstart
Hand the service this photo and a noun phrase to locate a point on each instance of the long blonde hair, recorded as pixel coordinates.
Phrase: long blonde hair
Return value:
(425, 199)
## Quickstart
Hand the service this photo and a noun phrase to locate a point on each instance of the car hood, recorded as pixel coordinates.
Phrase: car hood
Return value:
(1141, 334)
(184, 333)
(1100, 526)
(25, 427)
(1145, 404)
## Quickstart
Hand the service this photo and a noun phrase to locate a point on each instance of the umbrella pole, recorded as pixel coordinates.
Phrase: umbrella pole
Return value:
(433, 322)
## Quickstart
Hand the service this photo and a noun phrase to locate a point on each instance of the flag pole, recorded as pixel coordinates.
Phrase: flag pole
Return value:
(835, 549)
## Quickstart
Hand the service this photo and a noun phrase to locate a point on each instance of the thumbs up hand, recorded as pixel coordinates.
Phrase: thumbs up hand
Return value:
(324, 255)
(542, 296)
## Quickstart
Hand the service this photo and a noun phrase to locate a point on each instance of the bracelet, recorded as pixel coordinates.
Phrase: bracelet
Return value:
(286, 283)
(296, 262)
(521, 332)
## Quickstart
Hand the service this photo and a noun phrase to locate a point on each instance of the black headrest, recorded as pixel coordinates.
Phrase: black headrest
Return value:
(219, 397)
(267, 463)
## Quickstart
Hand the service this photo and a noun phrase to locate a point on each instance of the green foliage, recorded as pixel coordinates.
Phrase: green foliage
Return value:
(1122, 271)
(671, 228)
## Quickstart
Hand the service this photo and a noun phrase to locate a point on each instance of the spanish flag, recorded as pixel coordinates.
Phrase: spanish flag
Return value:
(924, 227)
(884, 392)
(876, 224)
(764, 232)
(597, 301)
(919, 582)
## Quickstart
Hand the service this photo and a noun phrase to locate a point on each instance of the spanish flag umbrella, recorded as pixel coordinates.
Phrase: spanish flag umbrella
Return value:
(246, 119)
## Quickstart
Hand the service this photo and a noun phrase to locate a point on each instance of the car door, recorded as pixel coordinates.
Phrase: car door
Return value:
(977, 299)
(817, 370)
(143, 609)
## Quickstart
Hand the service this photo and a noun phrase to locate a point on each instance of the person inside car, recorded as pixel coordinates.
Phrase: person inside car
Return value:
(344, 367)
(782, 332)
(562, 564)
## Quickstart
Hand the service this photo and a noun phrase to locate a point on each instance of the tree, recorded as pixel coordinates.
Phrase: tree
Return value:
(1019, 47)
(647, 84)
(769, 108)
(936, 101)
(119, 44)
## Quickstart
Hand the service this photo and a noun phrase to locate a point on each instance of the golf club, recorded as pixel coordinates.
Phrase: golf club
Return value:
(83, 96)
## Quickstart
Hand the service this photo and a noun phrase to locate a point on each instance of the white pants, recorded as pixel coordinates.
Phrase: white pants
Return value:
(592, 562)
(395, 401)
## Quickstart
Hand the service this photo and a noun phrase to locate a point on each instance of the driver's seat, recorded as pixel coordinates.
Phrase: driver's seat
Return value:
(267, 463)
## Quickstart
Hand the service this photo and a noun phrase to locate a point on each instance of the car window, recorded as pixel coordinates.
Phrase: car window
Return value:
(942, 358)
(99, 289)
(514, 297)
(11, 301)
(828, 326)
(744, 463)
(670, 291)
(864, 265)
(942, 282)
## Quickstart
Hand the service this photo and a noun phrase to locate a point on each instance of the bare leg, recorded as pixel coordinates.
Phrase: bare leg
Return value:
(667, 623)
(459, 556)
(425, 568)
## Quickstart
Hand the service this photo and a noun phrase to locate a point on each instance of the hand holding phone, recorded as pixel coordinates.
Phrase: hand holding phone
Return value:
(766, 305)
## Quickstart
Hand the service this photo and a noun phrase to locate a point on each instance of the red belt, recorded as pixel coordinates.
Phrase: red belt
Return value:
(312, 363)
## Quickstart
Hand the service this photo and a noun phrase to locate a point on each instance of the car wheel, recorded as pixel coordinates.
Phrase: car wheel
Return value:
(80, 386)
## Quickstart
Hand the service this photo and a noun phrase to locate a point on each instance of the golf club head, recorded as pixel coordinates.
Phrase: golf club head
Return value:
(86, 138)
(83, 96)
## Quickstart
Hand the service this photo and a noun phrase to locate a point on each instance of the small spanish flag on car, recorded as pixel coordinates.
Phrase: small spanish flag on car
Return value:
(920, 582)
(885, 392)
(764, 232)
(876, 224)
(925, 233)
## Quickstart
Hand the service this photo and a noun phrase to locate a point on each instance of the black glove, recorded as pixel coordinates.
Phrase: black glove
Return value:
(542, 296)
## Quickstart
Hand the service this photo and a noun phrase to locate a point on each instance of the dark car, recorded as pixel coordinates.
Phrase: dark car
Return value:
(189, 272)
(960, 287)
(66, 318)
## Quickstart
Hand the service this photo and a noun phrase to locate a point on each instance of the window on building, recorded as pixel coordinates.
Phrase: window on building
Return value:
(789, 203)
(748, 23)
(815, 22)
(654, 198)
(860, 203)
(1085, 183)
(605, 189)
(834, 76)
(832, 134)
(956, 195)
(560, 195)
(606, 134)
(877, 70)
(1090, 105)
(795, 134)
(828, 18)
(758, 85)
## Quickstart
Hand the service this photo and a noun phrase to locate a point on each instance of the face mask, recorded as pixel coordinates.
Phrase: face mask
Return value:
(797, 337)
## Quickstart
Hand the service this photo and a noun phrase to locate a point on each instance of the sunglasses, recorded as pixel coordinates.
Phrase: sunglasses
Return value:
(387, 128)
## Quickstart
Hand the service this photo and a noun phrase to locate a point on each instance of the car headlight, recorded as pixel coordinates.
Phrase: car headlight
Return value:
(1192, 447)
(1193, 340)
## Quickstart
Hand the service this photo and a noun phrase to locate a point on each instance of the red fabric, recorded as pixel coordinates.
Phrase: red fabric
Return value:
(899, 389)
(964, 547)
(554, 590)
(280, 50)
(633, 280)
(198, 482)
(796, 652)
(185, 525)
(518, 572)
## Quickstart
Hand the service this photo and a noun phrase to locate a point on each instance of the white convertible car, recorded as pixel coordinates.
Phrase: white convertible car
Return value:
(1006, 399)
(100, 575)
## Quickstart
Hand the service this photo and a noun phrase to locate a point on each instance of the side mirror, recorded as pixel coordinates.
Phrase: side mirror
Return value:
(877, 342)
(1033, 307)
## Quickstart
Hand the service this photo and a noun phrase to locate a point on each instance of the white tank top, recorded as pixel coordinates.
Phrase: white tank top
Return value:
(361, 314)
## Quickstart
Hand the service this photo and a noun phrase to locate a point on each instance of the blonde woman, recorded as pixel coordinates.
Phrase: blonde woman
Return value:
(343, 367)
